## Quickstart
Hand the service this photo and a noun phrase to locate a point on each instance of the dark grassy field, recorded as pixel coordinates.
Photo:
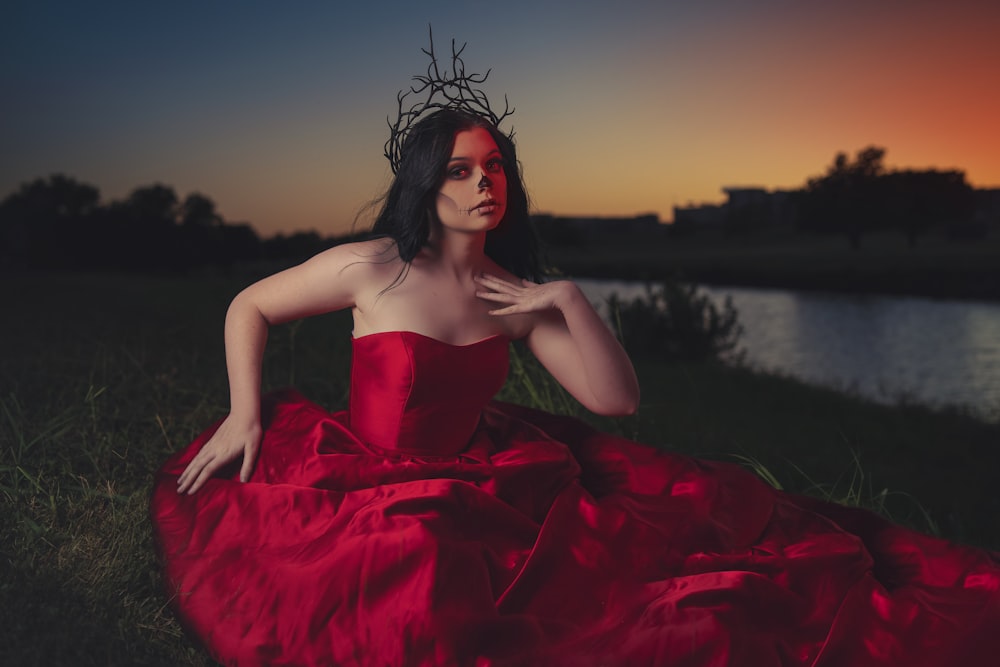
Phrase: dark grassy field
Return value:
(102, 376)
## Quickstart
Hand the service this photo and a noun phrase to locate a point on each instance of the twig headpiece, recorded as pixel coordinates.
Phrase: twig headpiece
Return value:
(440, 89)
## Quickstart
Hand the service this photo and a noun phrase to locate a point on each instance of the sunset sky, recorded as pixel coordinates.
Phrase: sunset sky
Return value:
(277, 111)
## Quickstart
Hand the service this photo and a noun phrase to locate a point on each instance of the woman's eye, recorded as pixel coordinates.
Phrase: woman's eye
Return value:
(495, 165)
(458, 172)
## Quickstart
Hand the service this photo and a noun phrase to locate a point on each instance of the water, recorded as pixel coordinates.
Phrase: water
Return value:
(937, 353)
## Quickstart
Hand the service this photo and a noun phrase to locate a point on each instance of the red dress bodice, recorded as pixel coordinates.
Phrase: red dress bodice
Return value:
(414, 394)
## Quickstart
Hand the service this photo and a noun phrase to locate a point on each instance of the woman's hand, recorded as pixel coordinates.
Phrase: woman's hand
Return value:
(232, 439)
(524, 296)
(568, 336)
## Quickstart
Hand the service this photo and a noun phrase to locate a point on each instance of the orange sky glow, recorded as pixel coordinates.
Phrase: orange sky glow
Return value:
(618, 113)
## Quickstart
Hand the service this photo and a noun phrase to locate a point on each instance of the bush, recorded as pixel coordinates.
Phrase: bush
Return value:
(677, 321)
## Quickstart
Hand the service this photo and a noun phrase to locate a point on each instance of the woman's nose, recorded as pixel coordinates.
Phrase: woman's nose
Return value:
(484, 182)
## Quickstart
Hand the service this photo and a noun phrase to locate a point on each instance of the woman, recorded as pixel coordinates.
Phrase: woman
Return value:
(388, 291)
(429, 525)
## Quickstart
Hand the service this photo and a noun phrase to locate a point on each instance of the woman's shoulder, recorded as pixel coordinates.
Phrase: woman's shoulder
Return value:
(372, 256)
(380, 248)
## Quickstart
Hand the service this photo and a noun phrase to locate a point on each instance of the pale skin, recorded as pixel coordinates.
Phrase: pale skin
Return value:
(452, 291)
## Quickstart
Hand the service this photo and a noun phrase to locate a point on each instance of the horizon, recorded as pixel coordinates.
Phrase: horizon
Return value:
(279, 114)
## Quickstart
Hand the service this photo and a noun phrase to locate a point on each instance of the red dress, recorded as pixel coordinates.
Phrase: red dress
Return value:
(429, 525)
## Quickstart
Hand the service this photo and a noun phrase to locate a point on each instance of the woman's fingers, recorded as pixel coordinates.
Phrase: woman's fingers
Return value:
(509, 310)
(229, 442)
(500, 285)
(199, 472)
(189, 476)
(497, 296)
(249, 458)
(203, 476)
(496, 290)
(191, 471)
(191, 479)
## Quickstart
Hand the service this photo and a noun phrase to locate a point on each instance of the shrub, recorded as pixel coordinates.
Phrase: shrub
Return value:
(677, 321)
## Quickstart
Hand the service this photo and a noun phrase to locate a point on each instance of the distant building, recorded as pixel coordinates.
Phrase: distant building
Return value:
(745, 197)
(988, 206)
(705, 215)
(744, 208)
(586, 230)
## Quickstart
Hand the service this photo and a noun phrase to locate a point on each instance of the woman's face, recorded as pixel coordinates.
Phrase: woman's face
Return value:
(473, 196)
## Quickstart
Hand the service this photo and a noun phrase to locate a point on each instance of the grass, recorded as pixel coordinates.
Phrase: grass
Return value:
(909, 462)
(103, 376)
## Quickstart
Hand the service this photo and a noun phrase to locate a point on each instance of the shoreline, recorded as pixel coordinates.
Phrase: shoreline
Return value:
(983, 286)
(935, 270)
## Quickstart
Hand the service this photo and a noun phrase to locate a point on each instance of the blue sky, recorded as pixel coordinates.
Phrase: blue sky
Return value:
(277, 110)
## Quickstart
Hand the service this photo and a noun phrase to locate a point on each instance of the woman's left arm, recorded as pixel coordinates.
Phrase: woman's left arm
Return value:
(571, 341)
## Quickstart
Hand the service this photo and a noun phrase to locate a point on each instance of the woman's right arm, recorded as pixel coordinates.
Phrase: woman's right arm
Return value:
(240, 432)
(329, 281)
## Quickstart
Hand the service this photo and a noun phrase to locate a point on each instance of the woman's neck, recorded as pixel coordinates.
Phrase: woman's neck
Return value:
(460, 253)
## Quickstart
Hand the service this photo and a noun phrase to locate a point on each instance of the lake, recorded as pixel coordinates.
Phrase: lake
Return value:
(932, 352)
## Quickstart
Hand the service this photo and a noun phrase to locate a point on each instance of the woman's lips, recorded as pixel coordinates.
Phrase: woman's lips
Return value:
(487, 206)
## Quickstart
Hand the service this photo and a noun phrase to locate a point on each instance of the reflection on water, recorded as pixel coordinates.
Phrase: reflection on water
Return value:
(886, 348)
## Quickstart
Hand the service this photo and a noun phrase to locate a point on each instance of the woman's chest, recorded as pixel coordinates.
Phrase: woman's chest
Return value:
(447, 313)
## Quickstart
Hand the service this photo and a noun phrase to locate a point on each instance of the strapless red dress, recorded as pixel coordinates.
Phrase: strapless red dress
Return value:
(431, 526)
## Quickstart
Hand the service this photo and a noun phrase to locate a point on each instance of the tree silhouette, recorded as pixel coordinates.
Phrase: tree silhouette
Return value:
(200, 232)
(847, 199)
(45, 222)
(59, 223)
(918, 200)
(153, 206)
(856, 197)
(142, 229)
(199, 211)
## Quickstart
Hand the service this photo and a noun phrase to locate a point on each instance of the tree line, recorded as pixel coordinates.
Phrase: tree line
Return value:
(61, 223)
(855, 197)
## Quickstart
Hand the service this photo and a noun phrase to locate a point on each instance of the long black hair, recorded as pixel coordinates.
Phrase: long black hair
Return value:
(409, 207)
